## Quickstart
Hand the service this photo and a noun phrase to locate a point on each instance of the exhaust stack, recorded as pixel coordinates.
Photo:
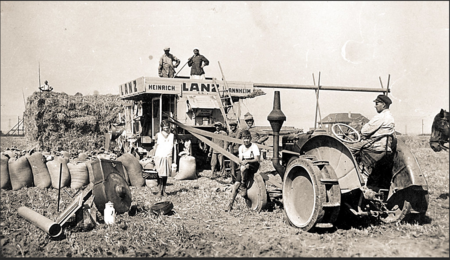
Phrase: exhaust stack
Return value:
(276, 119)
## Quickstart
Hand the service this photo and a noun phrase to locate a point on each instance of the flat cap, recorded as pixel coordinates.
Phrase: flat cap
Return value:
(233, 122)
(384, 99)
(167, 49)
(218, 123)
(248, 116)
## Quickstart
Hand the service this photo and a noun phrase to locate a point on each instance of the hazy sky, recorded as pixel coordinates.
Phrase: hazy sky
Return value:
(96, 46)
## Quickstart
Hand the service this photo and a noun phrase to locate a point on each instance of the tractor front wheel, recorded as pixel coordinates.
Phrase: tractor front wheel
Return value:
(311, 194)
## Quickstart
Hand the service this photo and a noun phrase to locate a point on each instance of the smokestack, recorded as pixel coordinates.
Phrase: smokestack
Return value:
(349, 114)
(276, 119)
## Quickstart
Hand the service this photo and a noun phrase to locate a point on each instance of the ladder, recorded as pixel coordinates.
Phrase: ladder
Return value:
(226, 101)
(222, 102)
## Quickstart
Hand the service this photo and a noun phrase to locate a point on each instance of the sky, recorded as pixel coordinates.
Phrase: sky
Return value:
(95, 46)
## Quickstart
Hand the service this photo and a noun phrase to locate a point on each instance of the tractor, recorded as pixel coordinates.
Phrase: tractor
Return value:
(321, 177)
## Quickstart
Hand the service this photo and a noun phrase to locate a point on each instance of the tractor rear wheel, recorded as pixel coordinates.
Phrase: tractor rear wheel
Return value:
(311, 194)
(397, 212)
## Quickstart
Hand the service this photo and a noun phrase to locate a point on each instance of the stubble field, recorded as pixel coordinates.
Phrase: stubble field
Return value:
(198, 226)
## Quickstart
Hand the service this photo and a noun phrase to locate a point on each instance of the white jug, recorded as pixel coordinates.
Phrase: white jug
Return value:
(109, 213)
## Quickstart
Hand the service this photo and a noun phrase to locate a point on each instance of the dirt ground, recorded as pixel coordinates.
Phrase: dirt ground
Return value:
(198, 225)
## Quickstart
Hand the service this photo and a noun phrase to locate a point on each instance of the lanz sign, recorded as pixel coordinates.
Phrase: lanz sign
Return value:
(180, 86)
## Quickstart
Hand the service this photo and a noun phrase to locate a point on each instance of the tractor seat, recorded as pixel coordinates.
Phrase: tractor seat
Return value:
(367, 158)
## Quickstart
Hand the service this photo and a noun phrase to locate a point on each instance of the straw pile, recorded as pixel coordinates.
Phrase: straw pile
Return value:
(58, 121)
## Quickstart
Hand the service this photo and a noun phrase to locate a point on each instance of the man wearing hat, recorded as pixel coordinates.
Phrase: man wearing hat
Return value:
(166, 66)
(248, 118)
(375, 134)
(214, 154)
(250, 127)
(233, 147)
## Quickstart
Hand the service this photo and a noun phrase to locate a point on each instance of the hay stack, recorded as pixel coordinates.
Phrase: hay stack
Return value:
(60, 121)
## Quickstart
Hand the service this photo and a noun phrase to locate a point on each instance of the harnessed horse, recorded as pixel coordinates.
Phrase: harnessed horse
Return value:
(440, 131)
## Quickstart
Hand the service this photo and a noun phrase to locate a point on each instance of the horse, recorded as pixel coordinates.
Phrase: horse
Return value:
(440, 131)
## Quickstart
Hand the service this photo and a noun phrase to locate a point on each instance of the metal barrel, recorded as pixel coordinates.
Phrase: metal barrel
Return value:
(49, 226)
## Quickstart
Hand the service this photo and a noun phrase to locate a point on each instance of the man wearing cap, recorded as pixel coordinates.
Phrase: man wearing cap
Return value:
(249, 157)
(197, 62)
(214, 154)
(233, 147)
(375, 142)
(250, 127)
(166, 66)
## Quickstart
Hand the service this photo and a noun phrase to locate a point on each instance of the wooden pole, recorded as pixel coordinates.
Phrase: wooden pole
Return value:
(337, 88)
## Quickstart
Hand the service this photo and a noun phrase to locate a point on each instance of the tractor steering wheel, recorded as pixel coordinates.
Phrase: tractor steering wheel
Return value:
(345, 133)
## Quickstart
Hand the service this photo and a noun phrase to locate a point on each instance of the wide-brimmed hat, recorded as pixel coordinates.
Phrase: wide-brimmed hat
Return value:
(384, 99)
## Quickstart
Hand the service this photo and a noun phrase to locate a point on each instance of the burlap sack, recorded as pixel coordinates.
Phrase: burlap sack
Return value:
(4, 171)
(20, 173)
(54, 169)
(133, 168)
(79, 175)
(41, 176)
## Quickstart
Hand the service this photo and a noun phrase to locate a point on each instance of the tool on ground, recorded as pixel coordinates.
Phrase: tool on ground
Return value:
(109, 185)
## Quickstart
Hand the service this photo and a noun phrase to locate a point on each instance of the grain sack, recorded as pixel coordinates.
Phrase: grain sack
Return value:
(133, 169)
(4, 177)
(65, 154)
(53, 168)
(41, 176)
(187, 169)
(79, 175)
(10, 153)
(82, 157)
(20, 173)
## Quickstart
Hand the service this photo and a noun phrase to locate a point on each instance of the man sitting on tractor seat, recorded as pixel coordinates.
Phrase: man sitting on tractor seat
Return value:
(378, 136)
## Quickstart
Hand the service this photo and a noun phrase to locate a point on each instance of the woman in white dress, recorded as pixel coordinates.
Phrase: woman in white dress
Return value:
(163, 156)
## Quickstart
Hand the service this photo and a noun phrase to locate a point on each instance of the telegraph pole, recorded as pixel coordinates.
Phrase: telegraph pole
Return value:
(422, 126)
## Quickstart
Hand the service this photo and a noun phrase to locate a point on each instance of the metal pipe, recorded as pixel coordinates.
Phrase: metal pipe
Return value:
(49, 226)
(293, 86)
(276, 119)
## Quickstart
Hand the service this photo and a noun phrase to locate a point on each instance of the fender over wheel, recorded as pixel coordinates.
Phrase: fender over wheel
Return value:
(256, 193)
